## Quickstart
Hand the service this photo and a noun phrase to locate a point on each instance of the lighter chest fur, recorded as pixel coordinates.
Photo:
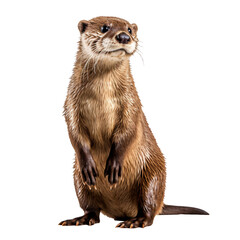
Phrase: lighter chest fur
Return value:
(99, 107)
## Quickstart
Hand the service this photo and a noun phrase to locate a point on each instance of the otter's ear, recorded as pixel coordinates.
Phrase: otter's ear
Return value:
(82, 25)
(135, 27)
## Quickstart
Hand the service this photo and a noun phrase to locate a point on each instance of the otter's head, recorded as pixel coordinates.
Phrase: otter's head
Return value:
(108, 38)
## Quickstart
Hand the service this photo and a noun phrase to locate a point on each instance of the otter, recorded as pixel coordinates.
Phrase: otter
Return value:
(119, 169)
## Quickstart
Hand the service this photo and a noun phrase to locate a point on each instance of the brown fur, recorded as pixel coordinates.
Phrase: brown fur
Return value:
(107, 126)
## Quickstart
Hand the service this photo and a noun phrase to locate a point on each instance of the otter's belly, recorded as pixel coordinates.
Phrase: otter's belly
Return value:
(119, 200)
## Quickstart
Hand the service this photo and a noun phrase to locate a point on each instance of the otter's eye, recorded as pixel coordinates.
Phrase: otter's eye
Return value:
(130, 30)
(104, 28)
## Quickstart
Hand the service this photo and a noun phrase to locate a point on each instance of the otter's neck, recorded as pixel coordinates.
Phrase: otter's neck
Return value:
(89, 69)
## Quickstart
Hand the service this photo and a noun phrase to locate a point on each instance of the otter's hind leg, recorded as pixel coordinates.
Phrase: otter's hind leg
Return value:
(88, 201)
(91, 210)
(150, 202)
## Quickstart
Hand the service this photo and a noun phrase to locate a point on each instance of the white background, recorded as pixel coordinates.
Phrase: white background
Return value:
(190, 91)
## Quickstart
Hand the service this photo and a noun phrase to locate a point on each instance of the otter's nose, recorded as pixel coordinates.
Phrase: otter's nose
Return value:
(123, 38)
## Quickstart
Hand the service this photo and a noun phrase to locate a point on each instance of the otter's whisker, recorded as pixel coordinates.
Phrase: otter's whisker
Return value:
(140, 54)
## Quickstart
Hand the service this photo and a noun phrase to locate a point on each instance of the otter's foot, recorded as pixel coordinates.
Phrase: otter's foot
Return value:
(136, 222)
(87, 219)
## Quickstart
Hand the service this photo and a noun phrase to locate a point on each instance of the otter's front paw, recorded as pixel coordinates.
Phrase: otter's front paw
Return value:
(89, 172)
(113, 170)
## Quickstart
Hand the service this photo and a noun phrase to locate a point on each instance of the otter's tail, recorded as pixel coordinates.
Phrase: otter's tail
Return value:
(173, 210)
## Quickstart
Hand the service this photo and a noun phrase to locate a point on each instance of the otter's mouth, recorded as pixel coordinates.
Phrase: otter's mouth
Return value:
(117, 50)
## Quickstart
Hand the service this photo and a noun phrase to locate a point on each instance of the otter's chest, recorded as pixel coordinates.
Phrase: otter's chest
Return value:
(99, 110)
